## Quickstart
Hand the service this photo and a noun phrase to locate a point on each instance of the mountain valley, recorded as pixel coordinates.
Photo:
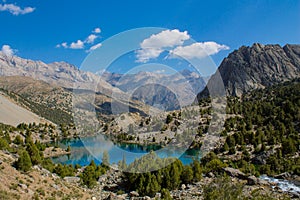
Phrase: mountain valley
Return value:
(260, 136)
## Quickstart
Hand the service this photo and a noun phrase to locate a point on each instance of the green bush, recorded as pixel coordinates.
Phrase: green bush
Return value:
(18, 140)
(64, 170)
(222, 188)
(165, 194)
(214, 165)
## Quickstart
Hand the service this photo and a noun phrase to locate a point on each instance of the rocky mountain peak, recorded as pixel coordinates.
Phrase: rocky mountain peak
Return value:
(257, 66)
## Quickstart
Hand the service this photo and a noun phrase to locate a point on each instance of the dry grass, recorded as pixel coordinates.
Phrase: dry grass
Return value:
(36, 184)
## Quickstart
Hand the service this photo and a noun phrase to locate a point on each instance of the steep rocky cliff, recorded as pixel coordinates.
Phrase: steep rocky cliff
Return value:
(258, 66)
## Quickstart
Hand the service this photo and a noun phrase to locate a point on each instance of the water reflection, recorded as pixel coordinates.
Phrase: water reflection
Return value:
(84, 150)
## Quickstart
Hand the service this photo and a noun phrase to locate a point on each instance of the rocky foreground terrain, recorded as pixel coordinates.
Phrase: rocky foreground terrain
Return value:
(39, 183)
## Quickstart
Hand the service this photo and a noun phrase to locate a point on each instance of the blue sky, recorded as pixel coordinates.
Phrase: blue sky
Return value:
(35, 30)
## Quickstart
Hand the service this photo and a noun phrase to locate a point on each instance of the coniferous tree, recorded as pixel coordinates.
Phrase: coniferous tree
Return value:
(197, 170)
(33, 153)
(187, 174)
(24, 162)
(175, 176)
(154, 186)
(288, 146)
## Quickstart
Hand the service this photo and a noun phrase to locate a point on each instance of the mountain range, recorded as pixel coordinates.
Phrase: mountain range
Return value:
(164, 91)
(50, 85)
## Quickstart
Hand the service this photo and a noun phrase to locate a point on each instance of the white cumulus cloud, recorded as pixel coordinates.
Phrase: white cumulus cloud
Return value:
(81, 44)
(144, 55)
(16, 10)
(97, 30)
(167, 38)
(91, 39)
(7, 50)
(64, 45)
(197, 50)
(96, 46)
(77, 45)
(153, 46)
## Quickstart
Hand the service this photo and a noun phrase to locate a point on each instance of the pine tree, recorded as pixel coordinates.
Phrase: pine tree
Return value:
(169, 119)
(187, 174)
(167, 179)
(230, 141)
(88, 176)
(140, 184)
(24, 162)
(197, 170)
(34, 153)
(288, 146)
(175, 176)
(154, 186)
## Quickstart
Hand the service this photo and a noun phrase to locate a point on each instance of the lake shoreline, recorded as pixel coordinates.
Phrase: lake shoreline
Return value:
(92, 147)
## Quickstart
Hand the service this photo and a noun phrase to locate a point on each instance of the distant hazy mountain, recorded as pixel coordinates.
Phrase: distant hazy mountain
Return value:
(49, 85)
(165, 91)
(58, 73)
(257, 66)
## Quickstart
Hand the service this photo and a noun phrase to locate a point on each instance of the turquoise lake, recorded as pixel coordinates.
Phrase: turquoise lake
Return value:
(84, 150)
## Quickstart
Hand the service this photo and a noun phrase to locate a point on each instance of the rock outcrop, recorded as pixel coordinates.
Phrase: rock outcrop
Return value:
(258, 66)
(234, 173)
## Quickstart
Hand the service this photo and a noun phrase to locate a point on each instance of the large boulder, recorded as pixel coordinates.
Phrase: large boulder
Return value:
(252, 180)
(72, 179)
(134, 194)
(284, 175)
(183, 186)
(234, 173)
(113, 196)
(23, 186)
